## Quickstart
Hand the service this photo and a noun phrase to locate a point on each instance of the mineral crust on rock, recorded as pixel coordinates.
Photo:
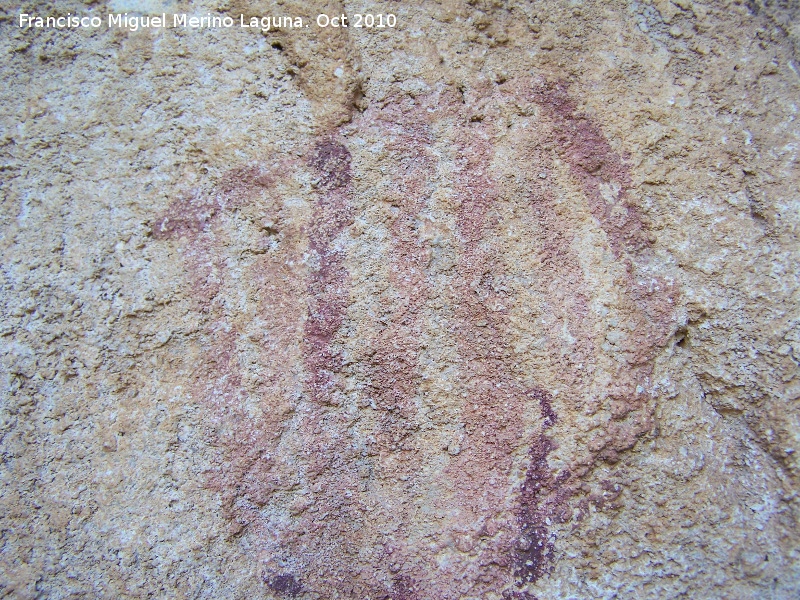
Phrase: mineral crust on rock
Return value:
(499, 303)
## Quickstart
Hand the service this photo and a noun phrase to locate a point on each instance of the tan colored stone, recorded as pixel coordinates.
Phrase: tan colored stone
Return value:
(500, 303)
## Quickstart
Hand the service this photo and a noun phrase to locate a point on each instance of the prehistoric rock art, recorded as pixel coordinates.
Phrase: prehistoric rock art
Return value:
(498, 303)
(349, 447)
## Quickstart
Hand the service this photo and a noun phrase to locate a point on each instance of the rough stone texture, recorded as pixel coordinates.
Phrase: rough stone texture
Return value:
(499, 304)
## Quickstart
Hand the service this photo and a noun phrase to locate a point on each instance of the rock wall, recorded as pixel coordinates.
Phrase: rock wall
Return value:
(501, 303)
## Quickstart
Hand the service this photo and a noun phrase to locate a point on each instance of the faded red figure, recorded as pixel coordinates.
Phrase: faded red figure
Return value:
(376, 352)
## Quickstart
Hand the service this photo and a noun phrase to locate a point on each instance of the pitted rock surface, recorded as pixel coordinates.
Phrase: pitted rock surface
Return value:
(501, 303)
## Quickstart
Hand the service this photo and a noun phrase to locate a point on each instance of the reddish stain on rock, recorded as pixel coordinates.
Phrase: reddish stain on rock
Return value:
(544, 499)
(394, 372)
(594, 163)
(328, 293)
(332, 162)
(187, 216)
(284, 585)
(545, 400)
(494, 394)
(403, 588)
(605, 178)
(325, 461)
(514, 595)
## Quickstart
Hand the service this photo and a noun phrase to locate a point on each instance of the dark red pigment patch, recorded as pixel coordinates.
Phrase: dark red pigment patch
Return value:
(535, 546)
(545, 401)
(543, 500)
(330, 459)
(594, 163)
(514, 595)
(284, 585)
(250, 469)
(544, 496)
(332, 162)
(403, 588)
(494, 390)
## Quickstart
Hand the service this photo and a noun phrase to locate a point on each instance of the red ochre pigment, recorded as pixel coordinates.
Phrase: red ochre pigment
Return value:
(335, 513)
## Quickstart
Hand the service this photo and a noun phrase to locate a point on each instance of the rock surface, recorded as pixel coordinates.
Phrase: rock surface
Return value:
(501, 303)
